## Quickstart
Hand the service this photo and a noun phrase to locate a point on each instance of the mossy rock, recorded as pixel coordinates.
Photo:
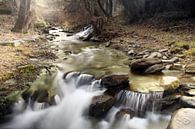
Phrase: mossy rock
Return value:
(191, 52)
(41, 90)
(27, 72)
(185, 44)
(176, 50)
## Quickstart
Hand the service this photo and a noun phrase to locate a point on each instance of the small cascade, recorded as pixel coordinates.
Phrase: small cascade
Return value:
(74, 95)
(139, 102)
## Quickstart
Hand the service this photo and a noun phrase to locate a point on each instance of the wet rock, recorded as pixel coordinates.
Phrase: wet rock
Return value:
(101, 105)
(170, 103)
(155, 69)
(153, 83)
(114, 83)
(120, 114)
(183, 119)
(190, 68)
(144, 66)
(86, 34)
(188, 102)
(169, 82)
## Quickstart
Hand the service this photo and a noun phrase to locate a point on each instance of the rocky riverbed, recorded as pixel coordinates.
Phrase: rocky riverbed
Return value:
(143, 77)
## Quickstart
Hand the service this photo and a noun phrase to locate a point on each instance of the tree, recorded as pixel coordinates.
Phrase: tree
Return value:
(26, 16)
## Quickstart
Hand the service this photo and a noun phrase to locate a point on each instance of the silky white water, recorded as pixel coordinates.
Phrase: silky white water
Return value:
(73, 97)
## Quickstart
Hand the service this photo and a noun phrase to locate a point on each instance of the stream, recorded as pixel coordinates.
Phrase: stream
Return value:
(74, 92)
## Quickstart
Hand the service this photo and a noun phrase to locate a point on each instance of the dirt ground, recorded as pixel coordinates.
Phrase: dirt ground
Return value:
(153, 34)
(21, 55)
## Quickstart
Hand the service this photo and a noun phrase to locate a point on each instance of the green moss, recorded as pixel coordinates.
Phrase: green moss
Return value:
(26, 73)
(14, 96)
(191, 52)
(41, 90)
(185, 44)
(176, 50)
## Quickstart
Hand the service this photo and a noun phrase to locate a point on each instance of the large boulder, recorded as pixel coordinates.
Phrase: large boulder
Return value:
(114, 83)
(147, 66)
(183, 119)
(101, 105)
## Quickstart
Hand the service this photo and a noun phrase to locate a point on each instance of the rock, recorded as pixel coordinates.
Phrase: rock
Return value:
(187, 101)
(95, 39)
(86, 34)
(108, 44)
(113, 83)
(153, 83)
(155, 55)
(120, 114)
(176, 66)
(183, 119)
(173, 60)
(155, 69)
(101, 105)
(164, 57)
(144, 66)
(170, 103)
(163, 50)
(191, 92)
(169, 82)
(131, 53)
(190, 68)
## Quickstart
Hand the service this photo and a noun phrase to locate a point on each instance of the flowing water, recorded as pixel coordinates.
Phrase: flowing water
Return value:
(74, 92)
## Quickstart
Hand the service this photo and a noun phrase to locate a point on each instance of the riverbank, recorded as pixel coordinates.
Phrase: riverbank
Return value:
(22, 58)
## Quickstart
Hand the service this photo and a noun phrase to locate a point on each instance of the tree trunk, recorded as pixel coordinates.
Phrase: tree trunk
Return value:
(26, 17)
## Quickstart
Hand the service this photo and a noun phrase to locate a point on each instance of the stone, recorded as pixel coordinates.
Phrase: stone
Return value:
(183, 119)
(169, 82)
(155, 69)
(155, 55)
(114, 82)
(120, 114)
(188, 102)
(144, 66)
(86, 34)
(163, 50)
(177, 66)
(191, 92)
(101, 105)
(190, 68)
(153, 83)
(131, 53)
(172, 60)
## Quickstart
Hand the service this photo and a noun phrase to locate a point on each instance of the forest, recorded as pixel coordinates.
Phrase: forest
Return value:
(97, 64)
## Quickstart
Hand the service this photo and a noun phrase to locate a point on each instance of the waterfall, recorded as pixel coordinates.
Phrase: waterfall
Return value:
(73, 97)
(139, 102)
